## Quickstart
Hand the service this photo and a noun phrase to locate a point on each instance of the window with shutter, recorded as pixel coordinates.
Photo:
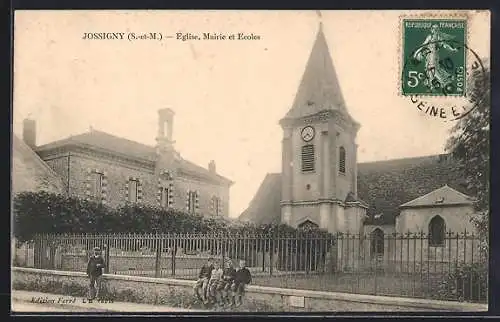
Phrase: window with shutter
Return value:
(165, 197)
(308, 158)
(216, 206)
(342, 159)
(97, 184)
(133, 190)
(192, 201)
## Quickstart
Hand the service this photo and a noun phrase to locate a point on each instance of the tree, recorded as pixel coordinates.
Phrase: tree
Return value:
(469, 144)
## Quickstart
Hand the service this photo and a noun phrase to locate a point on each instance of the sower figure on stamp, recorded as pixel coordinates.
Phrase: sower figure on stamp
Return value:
(228, 279)
(437, 75)
(94, 272)
(242, 277)
(202, 282)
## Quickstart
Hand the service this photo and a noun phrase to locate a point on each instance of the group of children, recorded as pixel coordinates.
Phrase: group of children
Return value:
(223, 286)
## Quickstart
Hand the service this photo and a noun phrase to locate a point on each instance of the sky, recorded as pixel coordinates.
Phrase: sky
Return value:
(228, 95)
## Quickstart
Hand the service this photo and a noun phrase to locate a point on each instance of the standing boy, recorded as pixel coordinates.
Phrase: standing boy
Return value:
(202, 282)
(94, 272)
(242, 277)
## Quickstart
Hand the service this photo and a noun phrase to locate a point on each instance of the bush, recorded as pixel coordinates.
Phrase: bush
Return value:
(468, 282)
(48, 213)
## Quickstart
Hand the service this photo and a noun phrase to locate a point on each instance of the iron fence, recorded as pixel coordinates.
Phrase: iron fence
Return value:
(411, 265)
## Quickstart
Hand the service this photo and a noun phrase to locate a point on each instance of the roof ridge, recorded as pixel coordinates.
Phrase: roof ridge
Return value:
(39, 160)
(121, 138)
(428, 156)
(445, 186)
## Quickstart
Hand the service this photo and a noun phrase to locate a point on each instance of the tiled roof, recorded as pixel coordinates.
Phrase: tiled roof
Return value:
(444, 196)
(386, 185)
(382, 185)
(125, 147)
(105, 141)
(30, 173)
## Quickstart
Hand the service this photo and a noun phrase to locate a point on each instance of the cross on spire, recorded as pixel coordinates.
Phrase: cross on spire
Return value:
(320, 18)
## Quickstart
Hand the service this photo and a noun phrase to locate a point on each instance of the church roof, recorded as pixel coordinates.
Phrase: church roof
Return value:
(319, 87)
(124, 147)
(383, 185)
(386, 185)
(265, 205)
(444, 196)
(30, 173)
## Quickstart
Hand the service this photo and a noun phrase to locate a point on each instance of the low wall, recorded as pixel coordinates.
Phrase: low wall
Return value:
(118, 263)
(164, 291)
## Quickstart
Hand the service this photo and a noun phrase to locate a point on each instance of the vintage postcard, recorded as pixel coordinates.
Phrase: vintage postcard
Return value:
(250, 161)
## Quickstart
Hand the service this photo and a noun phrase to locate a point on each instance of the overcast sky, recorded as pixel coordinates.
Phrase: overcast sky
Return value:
(228, 96)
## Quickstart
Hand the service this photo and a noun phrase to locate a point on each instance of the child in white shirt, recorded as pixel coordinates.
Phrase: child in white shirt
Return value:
(215, 284)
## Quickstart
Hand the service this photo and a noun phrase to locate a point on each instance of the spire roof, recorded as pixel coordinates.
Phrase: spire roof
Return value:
(319, 88)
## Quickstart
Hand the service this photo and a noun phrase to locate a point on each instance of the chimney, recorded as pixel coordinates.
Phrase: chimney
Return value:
(29, 132)
(211, 166)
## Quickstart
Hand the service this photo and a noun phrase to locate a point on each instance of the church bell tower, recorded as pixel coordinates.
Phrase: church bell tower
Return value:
(319, 162)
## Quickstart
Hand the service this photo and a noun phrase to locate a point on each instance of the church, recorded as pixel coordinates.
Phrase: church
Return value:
(322, 185)
(115, 171)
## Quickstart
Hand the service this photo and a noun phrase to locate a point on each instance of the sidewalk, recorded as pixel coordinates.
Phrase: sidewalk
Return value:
(58, 303)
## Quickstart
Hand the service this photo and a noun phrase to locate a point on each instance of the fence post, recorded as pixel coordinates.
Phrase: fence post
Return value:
(158, 257)
(223, 251)
(52, 252)
(108, 256)
(174, 252)
(271, 256)
(374, 254)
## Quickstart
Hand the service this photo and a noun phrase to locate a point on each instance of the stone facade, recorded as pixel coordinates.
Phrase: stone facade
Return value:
(456, 218)
(116, 171)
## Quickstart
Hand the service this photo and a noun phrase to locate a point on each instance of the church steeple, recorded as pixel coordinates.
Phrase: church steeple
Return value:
(319, 88)
(319, 151)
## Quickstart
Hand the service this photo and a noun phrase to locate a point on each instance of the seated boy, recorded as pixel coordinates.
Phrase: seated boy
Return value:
(202, 282)
(215, 283)
(228, 279)
(242, 277)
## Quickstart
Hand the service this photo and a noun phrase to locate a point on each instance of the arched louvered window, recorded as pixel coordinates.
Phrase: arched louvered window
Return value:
(308, 158)
(342, 159)
(436, 231)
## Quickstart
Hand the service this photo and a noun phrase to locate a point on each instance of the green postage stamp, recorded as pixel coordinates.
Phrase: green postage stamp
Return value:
(434, 57)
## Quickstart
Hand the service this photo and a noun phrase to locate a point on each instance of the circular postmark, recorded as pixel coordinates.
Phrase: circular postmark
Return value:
(444, 79)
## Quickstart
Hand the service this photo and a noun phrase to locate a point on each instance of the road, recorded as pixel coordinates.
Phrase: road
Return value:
(22, 307)
(25, 301)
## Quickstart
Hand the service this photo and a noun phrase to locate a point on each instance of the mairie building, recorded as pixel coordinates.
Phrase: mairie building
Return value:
(115, 171)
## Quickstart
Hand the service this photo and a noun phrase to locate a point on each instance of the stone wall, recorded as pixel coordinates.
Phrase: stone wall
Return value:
(150, 290)
(136, 263)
